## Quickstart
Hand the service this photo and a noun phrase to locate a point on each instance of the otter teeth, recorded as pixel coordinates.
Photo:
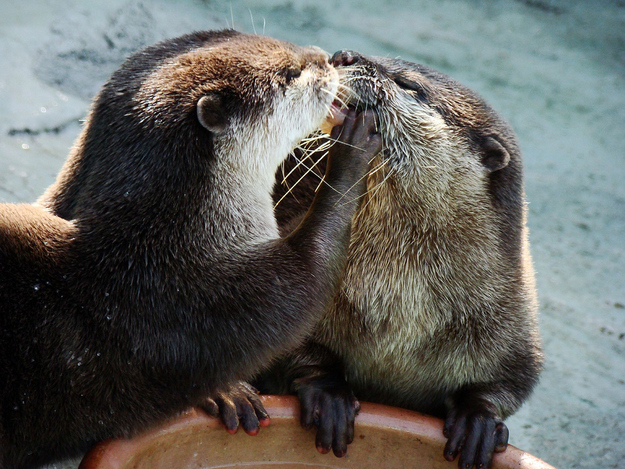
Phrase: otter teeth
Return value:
(336, 115)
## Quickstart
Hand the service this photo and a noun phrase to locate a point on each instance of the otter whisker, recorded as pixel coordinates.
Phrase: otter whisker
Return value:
(313, 137)
(289, 189)
(323, 179)
(327, 91)
(300, 162)
(252, 18)
(377, 188)
(341, 101)
(346, 144)
(343, 84)
(308, 155)
(351, 200)
(343, 94)
(351, 79)
(307, 152)
(302, 177)
(309, 169)
(376, 169)
(304, 146)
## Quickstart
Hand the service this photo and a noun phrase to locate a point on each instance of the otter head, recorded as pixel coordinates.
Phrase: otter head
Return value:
(442, 143)
(199, 112)
(250, 98)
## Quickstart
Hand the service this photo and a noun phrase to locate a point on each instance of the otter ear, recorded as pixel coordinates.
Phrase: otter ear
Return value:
(211, 113)
(494, 155)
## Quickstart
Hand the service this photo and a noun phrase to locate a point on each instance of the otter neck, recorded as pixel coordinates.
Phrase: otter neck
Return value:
(244, 206)
(188, 199)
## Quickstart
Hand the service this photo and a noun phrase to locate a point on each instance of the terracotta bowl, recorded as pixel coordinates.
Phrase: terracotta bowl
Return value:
(386, 437)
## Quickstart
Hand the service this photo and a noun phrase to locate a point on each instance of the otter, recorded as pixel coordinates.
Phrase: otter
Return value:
(437, 309)
(151, 276)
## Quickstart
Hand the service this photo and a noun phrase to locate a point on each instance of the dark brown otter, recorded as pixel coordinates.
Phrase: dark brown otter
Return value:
(437, 311)
(163, 280)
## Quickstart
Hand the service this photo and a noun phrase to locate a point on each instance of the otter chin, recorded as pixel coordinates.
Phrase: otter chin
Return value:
(437, 307)
(151, 277)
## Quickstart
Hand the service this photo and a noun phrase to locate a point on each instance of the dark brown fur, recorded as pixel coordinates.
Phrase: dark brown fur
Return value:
(437, 310)
(162, 281)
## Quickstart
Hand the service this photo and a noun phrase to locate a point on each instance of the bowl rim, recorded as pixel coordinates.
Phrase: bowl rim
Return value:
(112, 453)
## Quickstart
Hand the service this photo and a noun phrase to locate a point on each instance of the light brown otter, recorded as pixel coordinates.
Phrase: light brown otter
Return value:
(156, 277)
(437, 311)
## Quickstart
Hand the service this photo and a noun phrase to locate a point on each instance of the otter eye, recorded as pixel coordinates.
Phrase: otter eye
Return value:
(292, 73)
(407, 84)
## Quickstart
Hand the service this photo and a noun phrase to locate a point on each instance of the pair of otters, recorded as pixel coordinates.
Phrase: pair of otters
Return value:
(154, 274)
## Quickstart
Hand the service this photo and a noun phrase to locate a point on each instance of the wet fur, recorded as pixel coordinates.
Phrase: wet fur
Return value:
(437, 311)
(152, 273)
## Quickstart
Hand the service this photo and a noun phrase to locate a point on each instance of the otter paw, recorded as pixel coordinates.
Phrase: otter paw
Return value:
(238, 404)
(358, 134)
(476, 436)
(356, 142)
(331, 407)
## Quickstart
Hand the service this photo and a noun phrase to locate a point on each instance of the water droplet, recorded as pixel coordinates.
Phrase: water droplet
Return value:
(64, 277)
(45, 243)
(100, 422)
(36, 287)
(25, 146)
(126, 194)
(98, 354)
(108, 317)
(43, 110)
(15, 407)
(106, 293)
(79, 363)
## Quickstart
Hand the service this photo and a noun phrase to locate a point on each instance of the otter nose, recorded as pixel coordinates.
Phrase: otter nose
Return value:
(343, 58)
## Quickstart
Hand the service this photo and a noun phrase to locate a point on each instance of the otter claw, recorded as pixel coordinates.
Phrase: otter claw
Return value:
(239, 404)
(332, 408)
(475, 436)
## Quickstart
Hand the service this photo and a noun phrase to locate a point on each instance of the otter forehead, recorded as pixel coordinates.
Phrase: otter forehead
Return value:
(238, 63)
